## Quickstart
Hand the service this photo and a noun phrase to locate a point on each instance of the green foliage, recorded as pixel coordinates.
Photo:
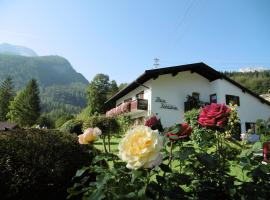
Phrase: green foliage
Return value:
(44, 121)
(39, 164)
(199, 134)
(64, 98)
(124, 123)
(108, 125)
(72, 126)
(25, 108)
(6, 96)
(62, 119)
(210, 166)
(98, 90)
(47, 70)
(258, 82)
(61, 87)
(113, 89)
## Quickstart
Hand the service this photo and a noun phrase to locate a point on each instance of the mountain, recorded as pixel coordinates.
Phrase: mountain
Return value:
(9, 49)
(256, 81)
(62, 89)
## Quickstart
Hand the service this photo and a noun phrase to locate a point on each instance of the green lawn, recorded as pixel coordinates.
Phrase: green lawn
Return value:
(236, 170)
(114, 144)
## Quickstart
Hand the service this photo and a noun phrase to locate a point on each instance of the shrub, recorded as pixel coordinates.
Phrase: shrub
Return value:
(45, 121)
(124, 123)
(39, 164)
(108, 125)
(62, 119)
(72, 126)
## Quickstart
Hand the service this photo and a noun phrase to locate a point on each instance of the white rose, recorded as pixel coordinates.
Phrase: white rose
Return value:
(140, 148)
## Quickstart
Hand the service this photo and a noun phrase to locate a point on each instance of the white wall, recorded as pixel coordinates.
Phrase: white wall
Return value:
(174, 89)
(147, 95)
(250, 108)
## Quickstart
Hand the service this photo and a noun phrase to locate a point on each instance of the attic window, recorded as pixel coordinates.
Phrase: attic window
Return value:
(232, 99)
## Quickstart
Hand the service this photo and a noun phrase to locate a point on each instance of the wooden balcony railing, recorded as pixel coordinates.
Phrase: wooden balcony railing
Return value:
(129, 107)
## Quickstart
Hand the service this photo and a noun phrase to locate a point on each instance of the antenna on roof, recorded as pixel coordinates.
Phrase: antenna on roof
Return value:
(156, 63)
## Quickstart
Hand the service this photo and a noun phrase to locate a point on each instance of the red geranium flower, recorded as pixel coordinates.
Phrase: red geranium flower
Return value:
(180, 131)
(214, 115)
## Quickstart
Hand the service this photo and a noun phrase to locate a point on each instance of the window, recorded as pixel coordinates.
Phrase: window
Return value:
(250, 126)
(232, 99)
(196, 95)
(213, 98)
(140, 95)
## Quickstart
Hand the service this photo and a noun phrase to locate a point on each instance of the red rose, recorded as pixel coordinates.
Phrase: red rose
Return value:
(266, 151)
(214, 115)
(151, 121)
(179, 132)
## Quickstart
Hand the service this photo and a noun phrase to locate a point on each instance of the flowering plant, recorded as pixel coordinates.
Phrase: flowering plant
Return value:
(214, 115)
(180, 131)
(154, 123)
(140, 148)
(89, 135)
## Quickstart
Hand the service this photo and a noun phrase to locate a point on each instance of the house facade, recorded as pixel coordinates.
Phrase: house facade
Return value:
(169, 92)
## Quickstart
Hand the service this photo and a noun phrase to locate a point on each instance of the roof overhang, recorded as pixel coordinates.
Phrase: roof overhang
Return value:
(199, 68)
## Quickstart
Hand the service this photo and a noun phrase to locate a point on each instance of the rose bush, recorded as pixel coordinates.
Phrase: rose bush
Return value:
(89, 135)
(180, 131)
(140, 148)
(214, 115)
(154, 123)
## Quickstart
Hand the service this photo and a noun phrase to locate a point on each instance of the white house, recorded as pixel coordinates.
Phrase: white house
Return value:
(169, 92)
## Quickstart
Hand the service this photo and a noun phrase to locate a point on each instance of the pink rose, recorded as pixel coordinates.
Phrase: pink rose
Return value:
(214, 115)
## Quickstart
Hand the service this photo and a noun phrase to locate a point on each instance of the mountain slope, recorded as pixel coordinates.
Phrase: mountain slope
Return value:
(9, 49)
(48, 70)
(61, 87)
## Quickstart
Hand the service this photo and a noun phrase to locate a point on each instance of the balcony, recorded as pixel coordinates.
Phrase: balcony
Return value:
(129, 108)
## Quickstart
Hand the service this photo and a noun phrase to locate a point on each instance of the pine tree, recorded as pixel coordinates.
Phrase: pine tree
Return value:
(6, 96)
(25, 108)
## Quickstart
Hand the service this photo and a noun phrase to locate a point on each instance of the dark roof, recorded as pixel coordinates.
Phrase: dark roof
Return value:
(7, 126)
(199, 68)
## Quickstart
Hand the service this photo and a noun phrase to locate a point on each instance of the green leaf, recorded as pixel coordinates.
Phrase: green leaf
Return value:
(257, 146)
(141, 192)
(81, 171)
(207, 160)
(98, 194)
(165, 168)
(130, 195)
(137, 174)
(160, 179)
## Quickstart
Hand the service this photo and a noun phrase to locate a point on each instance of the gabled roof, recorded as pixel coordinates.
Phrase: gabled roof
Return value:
(200, 68)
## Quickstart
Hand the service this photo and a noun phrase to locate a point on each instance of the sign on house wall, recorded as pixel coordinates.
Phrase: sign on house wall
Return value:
(164, 104)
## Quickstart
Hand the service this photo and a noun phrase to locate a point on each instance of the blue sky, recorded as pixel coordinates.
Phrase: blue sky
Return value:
(122, 37)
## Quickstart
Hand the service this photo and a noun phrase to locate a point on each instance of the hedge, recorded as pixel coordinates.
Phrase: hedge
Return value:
(39, 164)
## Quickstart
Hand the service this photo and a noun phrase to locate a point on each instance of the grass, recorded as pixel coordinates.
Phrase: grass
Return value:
(236, 170)
(114, 144)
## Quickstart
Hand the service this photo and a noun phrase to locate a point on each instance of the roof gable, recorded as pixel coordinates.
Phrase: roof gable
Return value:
(200, 68)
